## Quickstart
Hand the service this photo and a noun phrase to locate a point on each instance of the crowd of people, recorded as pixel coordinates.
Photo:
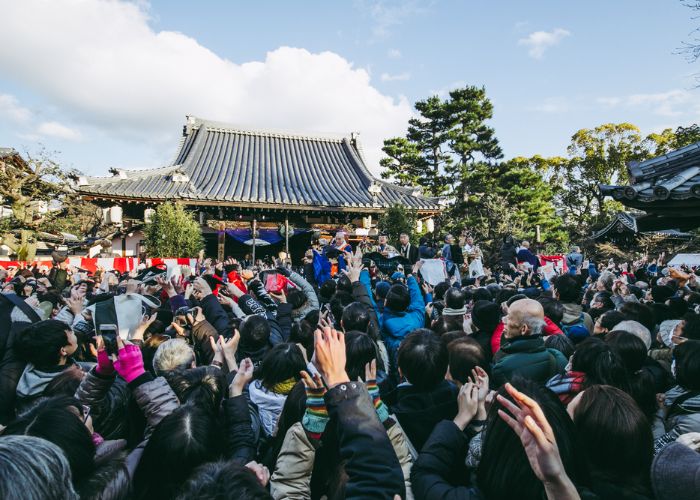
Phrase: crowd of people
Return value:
(334, 380)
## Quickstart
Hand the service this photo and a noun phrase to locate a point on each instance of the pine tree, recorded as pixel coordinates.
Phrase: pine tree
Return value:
(173, 232)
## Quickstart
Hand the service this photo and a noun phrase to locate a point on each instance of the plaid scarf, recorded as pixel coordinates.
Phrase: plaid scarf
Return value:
(567, 386)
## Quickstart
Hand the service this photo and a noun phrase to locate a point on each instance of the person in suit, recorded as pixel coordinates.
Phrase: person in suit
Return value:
(408, 250)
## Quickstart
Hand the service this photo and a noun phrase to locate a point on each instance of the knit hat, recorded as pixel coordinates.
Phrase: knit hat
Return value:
(675, 473)
(382, 288)
(486, 315)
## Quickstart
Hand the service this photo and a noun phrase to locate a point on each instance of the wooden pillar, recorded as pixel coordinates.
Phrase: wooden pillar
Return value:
(221, 254)
(286, 235)
(255, 230)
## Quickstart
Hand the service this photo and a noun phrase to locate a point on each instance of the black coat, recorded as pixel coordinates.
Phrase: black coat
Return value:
(411, 255)
(372, 467)
(419, 412)
(439, 469)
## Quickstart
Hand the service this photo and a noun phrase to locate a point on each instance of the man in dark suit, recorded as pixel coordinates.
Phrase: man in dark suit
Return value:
(407, 250)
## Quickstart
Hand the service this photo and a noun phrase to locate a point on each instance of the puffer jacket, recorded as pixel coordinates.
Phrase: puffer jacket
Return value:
(311, 298)
(108, 398)
(528, 357)
(156, 400)
(295, 462)
(683, 417)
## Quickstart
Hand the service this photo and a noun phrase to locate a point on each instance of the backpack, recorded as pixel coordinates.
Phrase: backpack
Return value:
(576, 330)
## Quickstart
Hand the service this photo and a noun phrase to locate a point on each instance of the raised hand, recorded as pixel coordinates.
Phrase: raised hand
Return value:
(243, 377)
(467, 403)
(329, 353)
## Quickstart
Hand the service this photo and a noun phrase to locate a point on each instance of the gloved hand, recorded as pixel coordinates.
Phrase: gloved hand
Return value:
(129, 364)
(104, 363)
(316, 414)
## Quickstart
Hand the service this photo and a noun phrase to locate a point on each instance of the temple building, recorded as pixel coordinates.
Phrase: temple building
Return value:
(623, 231)
(666, 188)
(263, 188)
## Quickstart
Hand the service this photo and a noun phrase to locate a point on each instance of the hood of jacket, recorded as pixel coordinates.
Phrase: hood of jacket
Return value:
(572, 312)
(269, 405)
(33, 381)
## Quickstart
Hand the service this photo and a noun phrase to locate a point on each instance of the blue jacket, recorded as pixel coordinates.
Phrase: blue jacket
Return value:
(394, 326)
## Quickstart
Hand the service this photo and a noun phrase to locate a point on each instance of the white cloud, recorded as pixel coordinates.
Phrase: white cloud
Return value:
(103, 66)
(539, 41)
(673, 103)
(12, 110)
(58, 130)
(393, 54)
(386, 77)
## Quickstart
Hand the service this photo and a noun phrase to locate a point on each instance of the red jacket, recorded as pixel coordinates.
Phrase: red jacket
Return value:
(550, 329)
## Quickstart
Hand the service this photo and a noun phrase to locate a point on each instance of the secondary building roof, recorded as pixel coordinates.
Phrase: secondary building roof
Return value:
(220, 164)
(666, 187)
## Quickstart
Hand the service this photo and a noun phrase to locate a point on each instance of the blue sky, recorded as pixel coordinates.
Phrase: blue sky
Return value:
(109, 83)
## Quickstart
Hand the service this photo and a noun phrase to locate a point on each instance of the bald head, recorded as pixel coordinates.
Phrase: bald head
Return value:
(525, 317)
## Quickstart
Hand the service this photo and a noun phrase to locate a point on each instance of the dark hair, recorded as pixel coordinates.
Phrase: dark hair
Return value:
(600, 363)
(633, 353)
(440, 289)
(454, 298)
(183, 440)
(423, 359)
(360, 349)
(687, 356)
(486, 316)
(40, 343)
(398, 298)
(65, 383)
(296, 298)
(482, 294)
(610, 319)
(343, 284)
(504, 470)
(553, 309)
(446, 324)
(255, 332)
(326, 290)
(338, 303)
(640, 313)
(504, 294)
(355, 317)
(303, 332)
(282, 362)
(677, 307)
(110, 480)
(568, 288)
(561, 343)
(56, 420)
(150, 346)
(691, 326)
(223, 481)
(202, 386)
(464, 355)
(614, 438)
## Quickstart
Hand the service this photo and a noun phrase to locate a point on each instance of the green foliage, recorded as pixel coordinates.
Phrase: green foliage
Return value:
(669, 139)
(443, 143)
(173, 232)
(395, 220)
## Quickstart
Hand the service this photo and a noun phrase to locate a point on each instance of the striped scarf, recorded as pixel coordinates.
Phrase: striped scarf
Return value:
(567, 386)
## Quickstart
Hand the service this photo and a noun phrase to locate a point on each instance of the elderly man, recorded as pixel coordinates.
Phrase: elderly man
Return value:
(525, 256)
(523, 352)
(408, 250)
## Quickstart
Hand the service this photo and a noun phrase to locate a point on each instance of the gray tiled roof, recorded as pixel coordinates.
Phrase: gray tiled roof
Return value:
(221, 163)
(673, 176)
